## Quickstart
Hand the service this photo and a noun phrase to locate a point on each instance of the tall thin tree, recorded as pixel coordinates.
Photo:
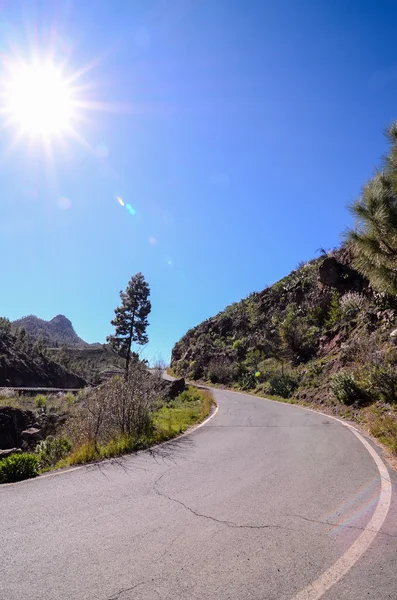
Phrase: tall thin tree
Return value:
(131, 320)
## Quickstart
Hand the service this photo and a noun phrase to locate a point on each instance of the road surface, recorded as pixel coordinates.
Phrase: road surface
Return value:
(265, 501)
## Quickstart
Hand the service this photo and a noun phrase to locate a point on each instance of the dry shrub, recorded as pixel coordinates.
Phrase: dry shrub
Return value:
(119, 407)
(351, 304)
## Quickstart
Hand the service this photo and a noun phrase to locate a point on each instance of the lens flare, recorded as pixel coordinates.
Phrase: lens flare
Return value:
(119, 200)
(131, 210)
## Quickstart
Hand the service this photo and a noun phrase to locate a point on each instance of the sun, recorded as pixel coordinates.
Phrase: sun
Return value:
(38, 99)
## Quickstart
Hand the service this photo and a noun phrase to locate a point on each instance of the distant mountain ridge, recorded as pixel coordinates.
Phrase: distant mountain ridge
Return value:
(24, 365)
(57, 331)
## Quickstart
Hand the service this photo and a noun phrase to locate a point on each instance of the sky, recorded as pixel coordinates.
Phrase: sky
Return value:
(237, 132)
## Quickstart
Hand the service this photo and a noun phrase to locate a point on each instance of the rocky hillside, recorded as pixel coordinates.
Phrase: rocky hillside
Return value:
(24, 365)
(56, 332)
(95, 362)
(296, 338)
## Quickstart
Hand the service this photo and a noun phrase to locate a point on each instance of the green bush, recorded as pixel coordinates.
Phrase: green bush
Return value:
(282, 385)
(247, 381)
(17, 467)
(190, 395)
(240, 348)
(53, 450)
(345, 388)
(70, 398)
(41, 402)
(299, 338)
(334, 312)
(382, 383)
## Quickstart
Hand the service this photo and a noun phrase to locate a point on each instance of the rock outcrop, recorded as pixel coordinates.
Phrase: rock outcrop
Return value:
(13, 421)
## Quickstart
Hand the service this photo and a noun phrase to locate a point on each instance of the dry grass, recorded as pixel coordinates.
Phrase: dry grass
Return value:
(382, 423)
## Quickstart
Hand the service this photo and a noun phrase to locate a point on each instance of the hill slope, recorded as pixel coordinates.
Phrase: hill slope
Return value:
(58, 330)
(292, 338)
(95, 362)
(22, 365)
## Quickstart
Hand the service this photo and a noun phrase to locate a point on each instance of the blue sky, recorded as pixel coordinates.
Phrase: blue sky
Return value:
(238, 132)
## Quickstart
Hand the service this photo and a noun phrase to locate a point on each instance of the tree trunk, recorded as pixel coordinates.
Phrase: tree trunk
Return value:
(127, 364)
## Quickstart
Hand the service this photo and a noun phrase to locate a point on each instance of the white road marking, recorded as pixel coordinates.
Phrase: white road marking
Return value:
(317, 588)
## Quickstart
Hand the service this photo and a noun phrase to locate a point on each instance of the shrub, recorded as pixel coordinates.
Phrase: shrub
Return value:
(253, 359)
(220, 371)
(247, 381)
(345, 388)
(299, 339)
(382, 383)
(240, 348)
(17, 467)
(334, 312)
(119, 407)
(53, 450)
(196, 370)
(190, 395)
(70, 398)
(282, 385)
(351, 304)
(41, 402)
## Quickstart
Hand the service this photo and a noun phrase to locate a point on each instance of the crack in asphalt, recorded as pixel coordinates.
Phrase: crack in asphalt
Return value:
(233, 525)
(220, 521)
(208, 517)
(125, 590)
(342, 526)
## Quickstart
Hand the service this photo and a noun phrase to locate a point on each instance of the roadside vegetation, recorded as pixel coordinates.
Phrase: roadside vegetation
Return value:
(116, 418)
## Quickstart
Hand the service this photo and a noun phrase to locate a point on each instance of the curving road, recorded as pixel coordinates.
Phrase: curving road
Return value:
(265, 501)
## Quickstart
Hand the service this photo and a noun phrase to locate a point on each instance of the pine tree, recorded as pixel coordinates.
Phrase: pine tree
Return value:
(131, 318)
(374, 239)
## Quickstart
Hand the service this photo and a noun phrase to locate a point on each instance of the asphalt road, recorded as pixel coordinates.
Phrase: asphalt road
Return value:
(261, 502)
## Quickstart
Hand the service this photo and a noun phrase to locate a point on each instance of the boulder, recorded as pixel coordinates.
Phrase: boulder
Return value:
(31, 437)
(329, 272)
(12, 422)
(172, 389)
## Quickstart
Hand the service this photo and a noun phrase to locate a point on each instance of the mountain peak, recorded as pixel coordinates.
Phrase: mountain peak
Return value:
(61, 320)
(58, 330)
